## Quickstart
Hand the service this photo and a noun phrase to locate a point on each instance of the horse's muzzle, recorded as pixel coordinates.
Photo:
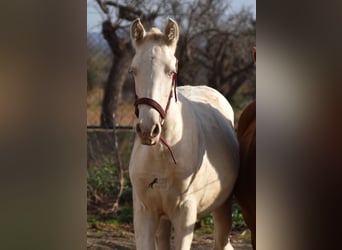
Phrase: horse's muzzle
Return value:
(149, 136)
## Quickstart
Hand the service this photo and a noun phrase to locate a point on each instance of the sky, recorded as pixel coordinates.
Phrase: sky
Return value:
(94, 17)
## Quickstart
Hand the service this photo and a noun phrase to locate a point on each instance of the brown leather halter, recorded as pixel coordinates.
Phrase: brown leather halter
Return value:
(159, 108)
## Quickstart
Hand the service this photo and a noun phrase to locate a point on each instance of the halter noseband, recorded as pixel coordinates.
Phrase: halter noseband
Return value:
(153, 103)
(163, 112)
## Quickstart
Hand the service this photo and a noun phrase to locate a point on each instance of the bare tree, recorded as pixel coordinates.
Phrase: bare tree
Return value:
(116, 36)
(214, 46)
(122, 52)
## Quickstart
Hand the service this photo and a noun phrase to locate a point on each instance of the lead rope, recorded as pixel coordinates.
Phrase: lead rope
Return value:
(156, 106)
(174, 83)
(169, 148)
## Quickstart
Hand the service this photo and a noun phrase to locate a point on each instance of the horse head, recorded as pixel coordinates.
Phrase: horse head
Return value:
(154, 68)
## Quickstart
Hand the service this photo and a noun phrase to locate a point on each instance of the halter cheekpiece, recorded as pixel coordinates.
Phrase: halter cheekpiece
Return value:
(163, 112)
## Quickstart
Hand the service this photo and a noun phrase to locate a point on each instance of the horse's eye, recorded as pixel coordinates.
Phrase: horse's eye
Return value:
(132, 70)
(170, 74)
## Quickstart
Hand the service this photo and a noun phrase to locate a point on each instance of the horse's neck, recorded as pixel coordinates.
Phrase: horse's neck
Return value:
(173, 124)
(180, 121)
(181, 132)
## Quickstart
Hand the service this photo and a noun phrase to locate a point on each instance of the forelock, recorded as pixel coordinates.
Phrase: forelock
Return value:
(155, 35)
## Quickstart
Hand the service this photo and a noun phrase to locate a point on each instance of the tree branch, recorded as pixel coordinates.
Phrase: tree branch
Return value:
(238, 72)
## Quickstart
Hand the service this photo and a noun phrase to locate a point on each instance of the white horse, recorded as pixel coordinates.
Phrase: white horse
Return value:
(185, 158)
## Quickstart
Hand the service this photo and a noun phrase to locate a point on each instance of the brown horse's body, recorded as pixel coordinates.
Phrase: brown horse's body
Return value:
(245, 187)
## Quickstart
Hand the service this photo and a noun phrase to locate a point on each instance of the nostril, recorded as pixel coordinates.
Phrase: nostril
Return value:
(155, 130)
(138, 128)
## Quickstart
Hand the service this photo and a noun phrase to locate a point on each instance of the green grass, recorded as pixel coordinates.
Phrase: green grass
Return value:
(123, 216)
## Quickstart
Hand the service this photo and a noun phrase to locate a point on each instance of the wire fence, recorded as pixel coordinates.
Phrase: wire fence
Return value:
(108, 157)
(108, 150)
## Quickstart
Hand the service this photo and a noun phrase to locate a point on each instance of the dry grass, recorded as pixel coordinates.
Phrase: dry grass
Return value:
(125, 114)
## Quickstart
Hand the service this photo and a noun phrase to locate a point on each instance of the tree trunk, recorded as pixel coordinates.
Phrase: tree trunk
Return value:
(113, 90)
(121, 58)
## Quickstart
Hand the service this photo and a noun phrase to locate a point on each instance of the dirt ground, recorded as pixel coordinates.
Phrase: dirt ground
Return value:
(102, 237)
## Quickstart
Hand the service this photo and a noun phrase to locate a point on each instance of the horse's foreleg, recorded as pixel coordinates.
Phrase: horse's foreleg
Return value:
(145, 226)
(163, 235)
(222, 226)
(184, 223)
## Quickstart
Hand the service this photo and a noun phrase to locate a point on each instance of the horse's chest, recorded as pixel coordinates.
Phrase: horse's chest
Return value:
(158, 192)
(151, 182)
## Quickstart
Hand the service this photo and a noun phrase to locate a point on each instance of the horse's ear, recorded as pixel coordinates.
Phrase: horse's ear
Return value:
(254, 54)
(172, 32)
(137, 32)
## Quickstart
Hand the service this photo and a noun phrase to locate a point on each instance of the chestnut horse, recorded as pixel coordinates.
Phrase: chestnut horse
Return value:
(245, 186)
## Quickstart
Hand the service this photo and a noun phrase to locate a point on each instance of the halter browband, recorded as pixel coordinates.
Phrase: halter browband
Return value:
(163, 112)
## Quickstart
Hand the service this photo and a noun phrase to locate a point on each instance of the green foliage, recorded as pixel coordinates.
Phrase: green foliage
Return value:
(238, 221)
(123, 216)
(207, 222)
(103, 179)
(126, 197)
